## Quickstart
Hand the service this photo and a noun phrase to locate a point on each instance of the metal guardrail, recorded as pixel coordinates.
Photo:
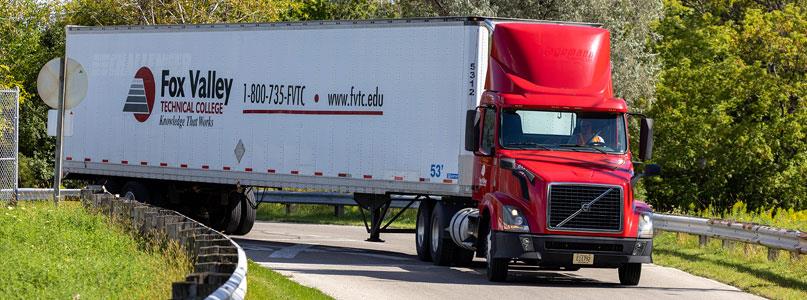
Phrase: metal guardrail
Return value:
(776, 238)
(24, 194)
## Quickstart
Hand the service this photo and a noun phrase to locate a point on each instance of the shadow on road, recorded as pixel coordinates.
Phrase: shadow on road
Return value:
(394, 266)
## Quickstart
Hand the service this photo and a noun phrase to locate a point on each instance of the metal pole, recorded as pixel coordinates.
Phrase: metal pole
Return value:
(17, 146)
(57, 172)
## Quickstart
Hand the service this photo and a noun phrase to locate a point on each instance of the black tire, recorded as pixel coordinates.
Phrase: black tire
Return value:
(423, 231)
(249, 209)
(135, 190)
(630, 273)
(463, 257)
(497, 267)
(232, 213)
(442, 248)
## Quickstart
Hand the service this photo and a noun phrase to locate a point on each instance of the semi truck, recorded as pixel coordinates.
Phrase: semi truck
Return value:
(505, 131)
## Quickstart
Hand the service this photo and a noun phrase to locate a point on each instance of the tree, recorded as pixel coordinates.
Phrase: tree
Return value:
(634, 65)
(30, 38)
(730, 116)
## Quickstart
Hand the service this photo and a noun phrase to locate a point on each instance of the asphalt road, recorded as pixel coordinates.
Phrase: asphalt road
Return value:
(337, 260)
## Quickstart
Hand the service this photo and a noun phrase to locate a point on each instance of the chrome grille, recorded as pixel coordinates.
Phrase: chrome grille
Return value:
(567, 199)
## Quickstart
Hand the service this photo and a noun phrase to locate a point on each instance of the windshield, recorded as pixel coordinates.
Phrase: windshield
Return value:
(572, 131)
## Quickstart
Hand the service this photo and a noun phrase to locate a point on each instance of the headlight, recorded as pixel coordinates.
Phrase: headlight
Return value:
(645, 225)
(514, 220)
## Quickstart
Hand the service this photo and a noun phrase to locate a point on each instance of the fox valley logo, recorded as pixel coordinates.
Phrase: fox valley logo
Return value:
(140, 100)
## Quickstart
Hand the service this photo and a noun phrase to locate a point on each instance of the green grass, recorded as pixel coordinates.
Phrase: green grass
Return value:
(263, 283)
(742, 266)
(66, 252)
(324, 214)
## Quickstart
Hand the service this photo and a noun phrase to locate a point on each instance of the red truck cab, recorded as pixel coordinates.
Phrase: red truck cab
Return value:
(553, 172)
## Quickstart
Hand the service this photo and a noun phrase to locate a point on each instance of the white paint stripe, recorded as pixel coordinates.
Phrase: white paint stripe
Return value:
(289, 252)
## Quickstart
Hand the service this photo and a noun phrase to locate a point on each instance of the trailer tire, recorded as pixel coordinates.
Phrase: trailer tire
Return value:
(232, 213)
(135, 190)
(442, 247)
(423, 231)
(497, 268)
(630, 273)
(249, 209)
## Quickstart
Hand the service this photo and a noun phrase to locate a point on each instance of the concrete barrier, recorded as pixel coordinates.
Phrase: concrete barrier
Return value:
(220, 265)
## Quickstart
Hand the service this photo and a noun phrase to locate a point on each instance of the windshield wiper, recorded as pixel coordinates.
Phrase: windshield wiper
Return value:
(533, 144)
(583, 146)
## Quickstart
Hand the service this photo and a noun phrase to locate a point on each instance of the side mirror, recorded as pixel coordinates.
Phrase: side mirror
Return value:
(646, 139)
(649, 170)
(471, 130)
(652, 170)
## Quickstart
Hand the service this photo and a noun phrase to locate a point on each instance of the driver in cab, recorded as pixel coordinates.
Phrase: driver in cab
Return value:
(586, 134)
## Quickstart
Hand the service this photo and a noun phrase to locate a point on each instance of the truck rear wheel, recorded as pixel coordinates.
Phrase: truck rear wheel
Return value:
(423, 231)
(630, 273)
(463, 257)
(248, 211)
(442, 247)
(497, 267)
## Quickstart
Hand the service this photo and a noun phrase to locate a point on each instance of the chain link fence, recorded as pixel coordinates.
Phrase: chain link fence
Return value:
(9, 143)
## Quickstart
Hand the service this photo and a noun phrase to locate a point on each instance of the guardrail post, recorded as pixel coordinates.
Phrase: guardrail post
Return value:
(728, 244)
(703, 240)
(795, 256)
(338, 210)
(773, 254)
(288, 209)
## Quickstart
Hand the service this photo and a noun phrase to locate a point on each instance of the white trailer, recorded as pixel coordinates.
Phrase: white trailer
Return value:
(370, 107)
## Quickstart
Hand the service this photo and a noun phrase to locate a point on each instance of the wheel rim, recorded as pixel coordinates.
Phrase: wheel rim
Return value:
(421, 230)
(129, 196)
(435, 234)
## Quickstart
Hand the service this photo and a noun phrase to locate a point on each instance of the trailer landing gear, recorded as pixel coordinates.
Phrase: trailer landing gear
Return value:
(377, 207)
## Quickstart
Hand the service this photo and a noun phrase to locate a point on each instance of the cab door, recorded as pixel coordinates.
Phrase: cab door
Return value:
(483, 182)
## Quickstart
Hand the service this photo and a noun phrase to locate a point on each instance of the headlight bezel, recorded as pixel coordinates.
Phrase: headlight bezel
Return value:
(645, 227)
(513, 219)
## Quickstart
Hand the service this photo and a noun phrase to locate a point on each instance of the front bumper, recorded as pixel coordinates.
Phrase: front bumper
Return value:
(558, 251)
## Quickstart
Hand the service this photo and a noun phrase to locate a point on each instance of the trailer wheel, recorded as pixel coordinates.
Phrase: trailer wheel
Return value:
(442, 247)
(249, 209)
(497, 267)
(136, 191)
(423, 231)
(630, 273)
(232, 213)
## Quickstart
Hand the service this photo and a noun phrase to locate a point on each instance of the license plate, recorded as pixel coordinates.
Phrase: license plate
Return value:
(582, 259)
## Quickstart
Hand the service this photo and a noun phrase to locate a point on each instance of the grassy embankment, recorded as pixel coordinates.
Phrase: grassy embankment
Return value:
(65, 252)
(263, 283)
(743, 266)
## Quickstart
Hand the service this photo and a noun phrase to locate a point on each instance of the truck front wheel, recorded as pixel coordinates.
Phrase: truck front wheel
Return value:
(497, 267)
(423, 231)
(630, 273)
